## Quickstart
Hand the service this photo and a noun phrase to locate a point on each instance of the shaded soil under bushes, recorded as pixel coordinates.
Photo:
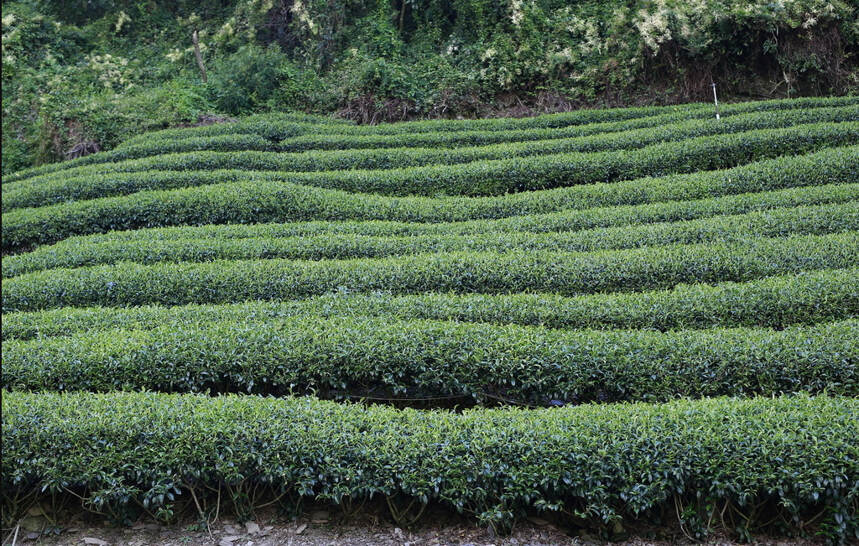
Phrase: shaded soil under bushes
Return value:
(324, 525)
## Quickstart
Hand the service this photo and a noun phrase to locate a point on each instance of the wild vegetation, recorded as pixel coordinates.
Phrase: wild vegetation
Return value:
(83, 76)
(599, 315)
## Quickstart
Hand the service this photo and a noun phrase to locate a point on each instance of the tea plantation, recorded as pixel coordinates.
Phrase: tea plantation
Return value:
(602, 315)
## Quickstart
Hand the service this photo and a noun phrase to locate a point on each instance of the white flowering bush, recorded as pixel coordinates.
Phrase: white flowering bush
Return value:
(113, 73)
(374, 60)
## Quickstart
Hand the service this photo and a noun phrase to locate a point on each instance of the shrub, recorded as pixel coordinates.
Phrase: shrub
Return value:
(67, 185)
(576, 117)
(797, 453)
(277, 126)
(256, 201)
(346, 357)
(250, 79)
(671, 127)
(566, 219)
(481, 171)
(566, 273)
(77, 253)
(807, 297)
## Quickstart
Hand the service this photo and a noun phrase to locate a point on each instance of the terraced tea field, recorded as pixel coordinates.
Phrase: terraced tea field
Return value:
(630, 313)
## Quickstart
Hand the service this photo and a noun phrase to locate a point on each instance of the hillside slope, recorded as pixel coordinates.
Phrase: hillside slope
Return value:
(601, 315)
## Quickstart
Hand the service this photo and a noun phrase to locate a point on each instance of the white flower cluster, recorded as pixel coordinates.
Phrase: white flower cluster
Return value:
(689, 20)
(9, 37)
(516, 14)
(653, 26)
(113, 72)
(120, 21)
(192, 22)
(582, 38)
(175, 55)
(300, 11)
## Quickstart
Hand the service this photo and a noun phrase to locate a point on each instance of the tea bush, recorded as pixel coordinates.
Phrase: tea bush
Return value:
(255, 201)
(188, 317)
(495, 464)
(801, 220)
(566, 273)
(773, 302)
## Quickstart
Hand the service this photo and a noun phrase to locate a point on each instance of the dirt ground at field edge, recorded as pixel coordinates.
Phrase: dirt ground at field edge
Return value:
(317, 532)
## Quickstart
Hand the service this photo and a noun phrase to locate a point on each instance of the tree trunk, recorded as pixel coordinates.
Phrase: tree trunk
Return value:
(199, 56)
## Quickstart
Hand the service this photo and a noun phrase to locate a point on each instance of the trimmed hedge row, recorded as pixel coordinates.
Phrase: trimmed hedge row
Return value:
(127, 284)
(258, 201)
(181, 141)
(581, 117)
(564, 220)
(481, 170)
(774, 302)
(110, 180)
(549, 298)
(95, 186)
(497, 177)
(77, 174)
(271, 127)
(384, 357)
(223, 143)
(120, 449)
(556, 121)
(638, 132)
(548, 141)
(280, 126)
(818, 220)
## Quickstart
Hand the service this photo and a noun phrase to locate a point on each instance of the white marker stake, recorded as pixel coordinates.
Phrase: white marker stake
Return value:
(716, 101)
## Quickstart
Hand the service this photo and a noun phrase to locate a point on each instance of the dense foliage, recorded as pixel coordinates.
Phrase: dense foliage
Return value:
(775, 301)
(188, 317)
(355, 357)
(723, 462)
(245, 198)
(264, 244)
(79, 76)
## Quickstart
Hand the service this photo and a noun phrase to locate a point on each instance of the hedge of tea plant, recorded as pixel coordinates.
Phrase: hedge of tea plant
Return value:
(355, 356)
(488, 170)
(198, 321)
(567, 219)
(818, 220)
(685, 122)
(257, 200)
(774, 302)
(68, 184)
(432, 146)
(125, 451)
(565, 273)
(277, 127)
(549, 121)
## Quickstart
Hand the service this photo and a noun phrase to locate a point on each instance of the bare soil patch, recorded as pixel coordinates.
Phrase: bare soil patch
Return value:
(321, 527)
